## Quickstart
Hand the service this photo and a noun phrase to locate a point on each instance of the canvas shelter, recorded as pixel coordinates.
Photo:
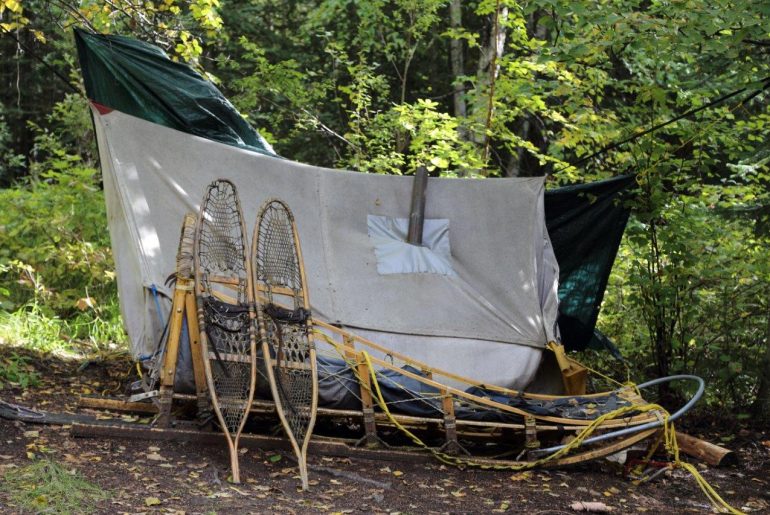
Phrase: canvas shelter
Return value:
(481, 298)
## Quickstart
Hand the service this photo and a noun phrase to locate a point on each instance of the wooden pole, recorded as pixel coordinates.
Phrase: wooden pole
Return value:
(417, 212)
(322, 446)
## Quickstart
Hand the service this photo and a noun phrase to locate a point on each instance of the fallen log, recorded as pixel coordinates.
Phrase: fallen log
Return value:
(707, 452)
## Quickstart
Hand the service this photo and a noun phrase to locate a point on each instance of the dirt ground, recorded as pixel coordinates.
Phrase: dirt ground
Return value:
(169, 477)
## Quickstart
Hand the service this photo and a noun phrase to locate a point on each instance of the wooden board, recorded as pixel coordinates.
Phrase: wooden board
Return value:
(329, 447)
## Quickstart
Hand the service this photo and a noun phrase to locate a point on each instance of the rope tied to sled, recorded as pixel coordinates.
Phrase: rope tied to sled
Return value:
(667, 437)
(669, 440)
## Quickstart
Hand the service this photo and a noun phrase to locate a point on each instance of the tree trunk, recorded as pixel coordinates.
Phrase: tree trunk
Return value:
(524, 127)
(761, 406)
(489, 69)
(513, 169)
(657, 324)
(493, 50)
(456, 58)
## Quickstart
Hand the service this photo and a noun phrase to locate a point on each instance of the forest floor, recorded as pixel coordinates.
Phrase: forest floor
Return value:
(135, 476)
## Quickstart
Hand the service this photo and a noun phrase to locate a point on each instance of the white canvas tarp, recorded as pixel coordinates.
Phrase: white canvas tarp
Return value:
(488, 319)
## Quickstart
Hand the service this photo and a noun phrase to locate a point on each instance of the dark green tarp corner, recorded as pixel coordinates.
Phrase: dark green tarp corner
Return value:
(139, 79)
(585, 223)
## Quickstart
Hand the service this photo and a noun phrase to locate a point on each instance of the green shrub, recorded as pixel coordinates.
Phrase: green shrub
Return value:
(57, 280)
(696, 301)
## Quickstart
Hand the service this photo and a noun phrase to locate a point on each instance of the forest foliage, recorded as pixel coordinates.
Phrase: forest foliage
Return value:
(489, 88)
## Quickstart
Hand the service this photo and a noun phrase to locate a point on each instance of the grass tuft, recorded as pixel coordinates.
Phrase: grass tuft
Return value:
(32, 328)
(47, 487)
(16, 370)
(37, 328)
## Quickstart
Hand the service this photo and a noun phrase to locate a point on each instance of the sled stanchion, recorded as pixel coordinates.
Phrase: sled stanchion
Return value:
(349, 344)
(367, 403)
(196, 353)
(370, 438)
(168, 371)
(530, 434)
(451, 445)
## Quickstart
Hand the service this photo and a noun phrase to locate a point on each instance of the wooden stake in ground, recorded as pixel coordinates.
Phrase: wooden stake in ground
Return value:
(286, 333)
(227, 332)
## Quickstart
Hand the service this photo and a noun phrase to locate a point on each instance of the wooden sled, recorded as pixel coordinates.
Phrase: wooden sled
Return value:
(610, 437)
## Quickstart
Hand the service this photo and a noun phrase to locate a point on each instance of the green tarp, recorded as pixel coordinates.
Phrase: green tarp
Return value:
(585, 223)
(139, 79)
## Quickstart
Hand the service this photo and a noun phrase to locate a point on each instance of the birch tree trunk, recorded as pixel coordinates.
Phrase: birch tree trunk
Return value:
(488, 71)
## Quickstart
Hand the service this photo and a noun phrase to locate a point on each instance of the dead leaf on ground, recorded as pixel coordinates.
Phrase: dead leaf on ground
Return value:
(595, 507)
(151, 501)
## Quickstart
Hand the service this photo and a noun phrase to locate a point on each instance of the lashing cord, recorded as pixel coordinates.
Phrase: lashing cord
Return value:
(279, 374)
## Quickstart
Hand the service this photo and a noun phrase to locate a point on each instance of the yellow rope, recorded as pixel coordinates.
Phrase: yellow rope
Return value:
(672, 446)
(596, 372)
(446, 458)
(669, 434)
(627, 384)
(670, 443)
